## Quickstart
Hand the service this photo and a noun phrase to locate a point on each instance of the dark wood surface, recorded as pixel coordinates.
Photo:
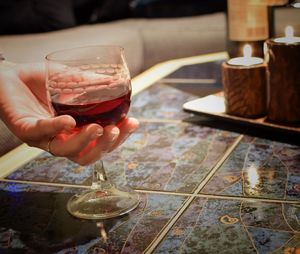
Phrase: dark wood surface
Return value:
(284, 72)
(245, 90)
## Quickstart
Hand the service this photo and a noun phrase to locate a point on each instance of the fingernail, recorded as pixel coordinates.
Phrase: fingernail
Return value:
(115, 131)
(97, 134)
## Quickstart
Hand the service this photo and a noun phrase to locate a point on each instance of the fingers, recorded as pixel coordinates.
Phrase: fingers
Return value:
(97, 148)
(89, 143)
(113, 137)
(73, 143)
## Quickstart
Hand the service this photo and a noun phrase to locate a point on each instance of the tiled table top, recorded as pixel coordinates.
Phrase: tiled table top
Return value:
(259, 168)
(203, 189)
(168, 156)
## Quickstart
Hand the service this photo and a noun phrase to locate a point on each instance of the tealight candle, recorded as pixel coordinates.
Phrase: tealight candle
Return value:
(284, 70)
(247, 59)
(289, 37)
(245, 85)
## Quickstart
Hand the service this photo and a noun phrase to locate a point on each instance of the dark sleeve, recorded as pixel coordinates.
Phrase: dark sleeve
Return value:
(31, 16)
(176, 8)
(108, 10)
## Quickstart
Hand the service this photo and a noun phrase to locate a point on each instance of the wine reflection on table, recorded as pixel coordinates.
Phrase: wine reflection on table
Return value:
(39, 221)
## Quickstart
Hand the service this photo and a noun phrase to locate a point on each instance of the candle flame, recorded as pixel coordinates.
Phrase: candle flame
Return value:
(247, 50)
(289, 32)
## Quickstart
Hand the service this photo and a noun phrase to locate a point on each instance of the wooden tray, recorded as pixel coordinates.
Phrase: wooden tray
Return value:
(213, 105)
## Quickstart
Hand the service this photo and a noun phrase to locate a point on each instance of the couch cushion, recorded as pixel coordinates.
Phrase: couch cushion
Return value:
(166, 39)
(33, 47)
(146, 41)
(170, 38)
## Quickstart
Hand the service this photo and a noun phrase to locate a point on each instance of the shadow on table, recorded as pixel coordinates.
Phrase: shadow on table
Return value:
(260, 132)
(37, 222)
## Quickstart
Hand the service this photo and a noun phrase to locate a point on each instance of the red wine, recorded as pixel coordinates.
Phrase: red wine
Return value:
(103, 112)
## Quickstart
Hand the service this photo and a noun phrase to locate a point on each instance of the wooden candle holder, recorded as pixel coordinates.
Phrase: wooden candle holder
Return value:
(284, 75)
(245, 90)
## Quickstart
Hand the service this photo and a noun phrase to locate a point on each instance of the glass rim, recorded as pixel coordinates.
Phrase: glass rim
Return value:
(49, 56)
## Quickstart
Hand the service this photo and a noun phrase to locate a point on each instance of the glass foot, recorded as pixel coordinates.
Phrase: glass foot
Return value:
(103, 203)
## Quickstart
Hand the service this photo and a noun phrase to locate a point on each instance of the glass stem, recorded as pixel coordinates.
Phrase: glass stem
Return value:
(100, 179)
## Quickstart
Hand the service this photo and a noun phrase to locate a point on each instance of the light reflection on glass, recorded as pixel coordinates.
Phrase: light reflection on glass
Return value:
(253, 176)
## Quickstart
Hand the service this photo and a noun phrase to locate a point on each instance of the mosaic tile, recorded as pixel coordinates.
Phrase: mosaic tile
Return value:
(199, 71)
(259, 168)
(164, 156)
(47, 168)
(171, 156)
(160, 101)
(158, 156)
(233, 226)
(33, 219)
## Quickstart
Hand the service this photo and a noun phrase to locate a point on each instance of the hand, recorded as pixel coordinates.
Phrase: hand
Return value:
(25, 110)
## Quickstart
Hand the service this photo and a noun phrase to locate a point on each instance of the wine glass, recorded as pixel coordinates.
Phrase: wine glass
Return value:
(92, 84)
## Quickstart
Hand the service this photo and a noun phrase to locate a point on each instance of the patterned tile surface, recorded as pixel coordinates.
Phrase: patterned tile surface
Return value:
(169, 155)
(233, 226)
(33, 219)
(209, 70)
(46, 168)
(259, 168)
(160, 101)
(158, 156)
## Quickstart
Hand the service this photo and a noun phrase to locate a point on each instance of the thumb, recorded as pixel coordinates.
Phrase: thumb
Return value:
(52, 126)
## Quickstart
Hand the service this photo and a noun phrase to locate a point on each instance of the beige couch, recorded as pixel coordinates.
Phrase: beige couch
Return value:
(146, 41)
